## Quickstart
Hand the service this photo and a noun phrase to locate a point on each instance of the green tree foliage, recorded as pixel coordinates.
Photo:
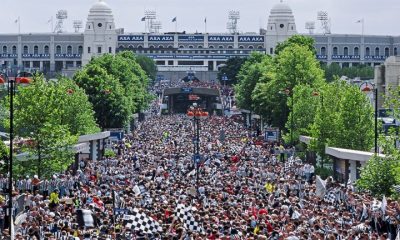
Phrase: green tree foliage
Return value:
(249, 74)
(231, 69)
(299, 40)
(148, 66)
(362, 71)
(52, 115)
(305, 104)
(117, 88)
(112, 107)
(379, 175)
(295, 65)
(344, 119)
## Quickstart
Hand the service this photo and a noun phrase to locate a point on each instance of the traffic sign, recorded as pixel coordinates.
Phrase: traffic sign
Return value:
(366, 87)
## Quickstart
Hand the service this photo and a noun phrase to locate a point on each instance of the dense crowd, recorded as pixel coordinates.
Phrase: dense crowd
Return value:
(245, 190)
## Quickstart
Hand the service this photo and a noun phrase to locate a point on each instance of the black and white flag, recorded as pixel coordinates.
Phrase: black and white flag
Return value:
(138, 221)
(330, 197)
(85, 218)
(184, 214)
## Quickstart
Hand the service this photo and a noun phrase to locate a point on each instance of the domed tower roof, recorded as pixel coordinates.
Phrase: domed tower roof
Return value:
(281, 19)
(100, 9)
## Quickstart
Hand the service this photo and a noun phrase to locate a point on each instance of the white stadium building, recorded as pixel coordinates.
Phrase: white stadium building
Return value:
(176, 53)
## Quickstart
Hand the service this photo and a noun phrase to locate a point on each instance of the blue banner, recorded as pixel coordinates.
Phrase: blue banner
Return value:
(5, 55)
(322, 57)
(345, 57)
(191, 38)
(35, 55)
(259, 39)
(186, 90)
(62, 55)
(220, 38)
(161, 38)
(375, 57)
(131, 38)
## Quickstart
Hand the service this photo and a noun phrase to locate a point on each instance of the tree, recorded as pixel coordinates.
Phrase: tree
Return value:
(343, 119)
(305, 104)
(148, 65)
(249, 74)
(334, 70)
(231, 69)
(51, 115)
(111, 106)
(295, 65)
(299, 40)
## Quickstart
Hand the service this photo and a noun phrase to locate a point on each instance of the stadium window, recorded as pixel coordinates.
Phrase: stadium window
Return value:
(271, 51)
(160, 46)
(69, 50)
(58, 49)
(46, 49)
(260, 47)
(98, 49)
(377, 51)
(211, 47)
(346, 51)
(367, 51)
(35, 50)
(109, 49)
(241, 47)
(335, 51)
(251, 47)
(230, 47)
(323, 51)
(387, 52)
(80, 50)
(88, 50)
(26, 49)
(181, 46)
(395, 51)
(14, 50)
(4, 49)
(220, 46)
(191, 46)
(199, 46)
(356, 51)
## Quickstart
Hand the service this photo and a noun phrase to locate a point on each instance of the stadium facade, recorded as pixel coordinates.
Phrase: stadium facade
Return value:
(180, 52)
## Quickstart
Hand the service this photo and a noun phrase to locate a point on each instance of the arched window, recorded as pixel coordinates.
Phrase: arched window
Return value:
(346, 51)
(377, 51)
(4, 49)
(160, 46)
(241, 47)
(356, 51)
(130, 47)
(387, 52)
(260, 47)
(14, 49)
(230, 46)
(35, 50)
(80, 50)
(199, 46)
(211, 47)
(323, 51)
(69, 50)
(251, 47)
(26, 49)
(191, 46)
(170, 47)
(367, 51)
(46, 49)
(395, 51)
(139, 47)
(58, 49)
(151, 47)
(181, 46)
(220, 46)
(335, 51)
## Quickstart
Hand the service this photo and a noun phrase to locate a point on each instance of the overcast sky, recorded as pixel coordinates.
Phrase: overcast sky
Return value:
(381, 17)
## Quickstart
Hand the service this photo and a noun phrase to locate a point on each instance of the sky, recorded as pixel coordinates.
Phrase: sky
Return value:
(381, 17)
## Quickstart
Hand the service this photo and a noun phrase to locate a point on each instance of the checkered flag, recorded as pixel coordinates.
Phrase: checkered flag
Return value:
(330, 197)
(138, 221)
(184, 214)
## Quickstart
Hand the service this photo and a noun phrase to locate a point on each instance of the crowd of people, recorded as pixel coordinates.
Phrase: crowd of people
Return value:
(242, 189)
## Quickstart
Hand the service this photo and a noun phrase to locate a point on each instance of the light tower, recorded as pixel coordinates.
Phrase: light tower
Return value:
(325, 22)
(77, 25)
(310, 26)
(233, 18)
(61, 16)
(149, 16)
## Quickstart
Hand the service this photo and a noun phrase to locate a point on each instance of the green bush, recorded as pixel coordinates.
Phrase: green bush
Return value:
(109, 153)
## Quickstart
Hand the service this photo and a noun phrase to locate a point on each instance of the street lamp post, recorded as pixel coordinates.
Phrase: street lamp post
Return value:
(196, 113)
(10, 85)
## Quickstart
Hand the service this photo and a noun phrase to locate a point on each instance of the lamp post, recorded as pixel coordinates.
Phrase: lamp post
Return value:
(196, 113)
(10, 85)
(368, 89)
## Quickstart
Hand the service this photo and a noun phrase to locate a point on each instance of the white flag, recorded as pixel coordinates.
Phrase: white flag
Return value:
(383, 205)
(136, 190)
(320, 184)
